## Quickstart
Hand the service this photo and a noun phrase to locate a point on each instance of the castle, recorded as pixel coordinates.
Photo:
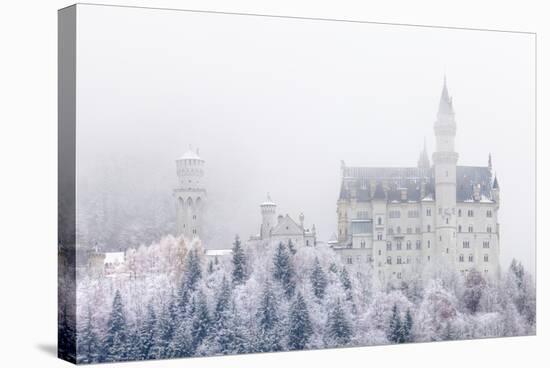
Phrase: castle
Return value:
(401, 219)
(396, 219)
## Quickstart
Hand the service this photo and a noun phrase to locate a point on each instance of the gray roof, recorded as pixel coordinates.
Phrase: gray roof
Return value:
(364, 180)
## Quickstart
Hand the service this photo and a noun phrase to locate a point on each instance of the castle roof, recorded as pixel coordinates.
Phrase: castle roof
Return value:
(190, 155)
(365, 183)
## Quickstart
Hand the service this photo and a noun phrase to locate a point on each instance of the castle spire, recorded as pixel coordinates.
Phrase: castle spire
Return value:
(445, 102)
(423, 159)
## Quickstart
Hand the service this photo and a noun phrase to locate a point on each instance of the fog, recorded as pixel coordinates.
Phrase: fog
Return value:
(275, 104)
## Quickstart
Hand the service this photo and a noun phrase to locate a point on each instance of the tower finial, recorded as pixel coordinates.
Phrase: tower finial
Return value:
(445, 102)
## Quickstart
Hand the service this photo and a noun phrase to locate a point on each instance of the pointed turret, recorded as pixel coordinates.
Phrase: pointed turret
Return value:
(379, 193)
(445, 102)
(490, 163)
(423, 159)
(495, 183)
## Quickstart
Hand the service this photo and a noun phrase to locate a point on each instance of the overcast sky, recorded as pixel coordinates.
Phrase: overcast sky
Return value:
(275, 104)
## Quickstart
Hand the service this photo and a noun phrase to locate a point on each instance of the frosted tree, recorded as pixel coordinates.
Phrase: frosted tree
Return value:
(116, 338)
(395, 329)
(283, 270)
(191, 276)
(164, 331)
(88, 342)
(473, 291)
(146, 333)
(406, 327)
(346, 283)
(339, 328)
(267, 316)
(291, 247)
(300, 324)
(200, 324)
(239, 263)
(521, 287)
(318, 280)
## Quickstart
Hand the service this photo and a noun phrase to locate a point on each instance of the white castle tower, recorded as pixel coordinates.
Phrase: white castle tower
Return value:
(190, 195)
(268, 209)
(445, 159)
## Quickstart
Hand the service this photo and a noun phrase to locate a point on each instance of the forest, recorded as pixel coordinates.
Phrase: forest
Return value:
(168, 300)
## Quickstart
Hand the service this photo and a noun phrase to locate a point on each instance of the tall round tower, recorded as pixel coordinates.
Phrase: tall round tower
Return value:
(445, 159)
(190, 195)
(268, 209)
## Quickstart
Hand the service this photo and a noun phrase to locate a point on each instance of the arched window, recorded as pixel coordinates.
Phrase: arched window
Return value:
(461, 258)
(429, 228)
(379, 220)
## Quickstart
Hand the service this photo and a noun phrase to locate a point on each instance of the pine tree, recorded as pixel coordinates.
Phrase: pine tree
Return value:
(164, 332)
(318, 280)
(346, 283)
(200, 324)
(147, 333)
(473, 291)
(339, 328)
(191, 276)
(406, 327)
(88, 342)
(395, 330)
(300, 324)
(116, 338)
(291, 247)
(223, 335)
(268, 322)
(239, 263)
(283, 271)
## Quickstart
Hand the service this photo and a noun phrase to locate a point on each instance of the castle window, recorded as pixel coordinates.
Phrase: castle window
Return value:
(485, 258)
(307, 243)
(470, 228)
(489, 213)
(398, 260)
(428, 211)
(194, 217)
(429, 228)
(362, 243)
(388, 260)
(349, 260)
(471, 258)
(440, 210)
(470, 213)
(459, 228)
(461, 258)
(428, 258)
(388, 246)
(417, 230)
(418, 244)
(413, 214)
(379, 220)
(489, 229)
(399, 275)
(429, 243)
(447, 251)
(379, 252)
(395, 214)
(399, 229)
(409, 245)
(390, 231)
(409, 230)
(447, 221)
(466, 244)
(408, 260)
(398, 245)
(379, 236)
(362, 214)
(459, 213)
(486, 244)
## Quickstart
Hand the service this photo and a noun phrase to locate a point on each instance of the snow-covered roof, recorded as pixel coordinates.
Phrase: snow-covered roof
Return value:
(218, 252)
(114, 257)
(190, 155)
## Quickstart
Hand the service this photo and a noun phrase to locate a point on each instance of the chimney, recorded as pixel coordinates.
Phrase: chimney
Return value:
(422, 189)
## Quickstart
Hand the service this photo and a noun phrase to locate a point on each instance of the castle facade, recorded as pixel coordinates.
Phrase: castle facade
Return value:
(402, 219)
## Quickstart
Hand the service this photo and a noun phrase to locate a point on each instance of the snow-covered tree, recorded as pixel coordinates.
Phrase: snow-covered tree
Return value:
(406, 327)
(300, 324)
(88, 341)
(146, 333)
(268, 334)
(116, 339)
(474, 287)
(318, 280)
(283, 270)
(239, 262)
(395, 329)
(339, 327)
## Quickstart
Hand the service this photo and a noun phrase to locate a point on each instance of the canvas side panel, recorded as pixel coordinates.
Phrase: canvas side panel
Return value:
(66, 292)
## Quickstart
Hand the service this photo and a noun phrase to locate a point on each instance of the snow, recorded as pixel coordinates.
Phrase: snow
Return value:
(217, 252)
(114, 258)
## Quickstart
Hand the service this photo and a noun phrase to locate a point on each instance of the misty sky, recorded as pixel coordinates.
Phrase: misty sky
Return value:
(275, 104)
